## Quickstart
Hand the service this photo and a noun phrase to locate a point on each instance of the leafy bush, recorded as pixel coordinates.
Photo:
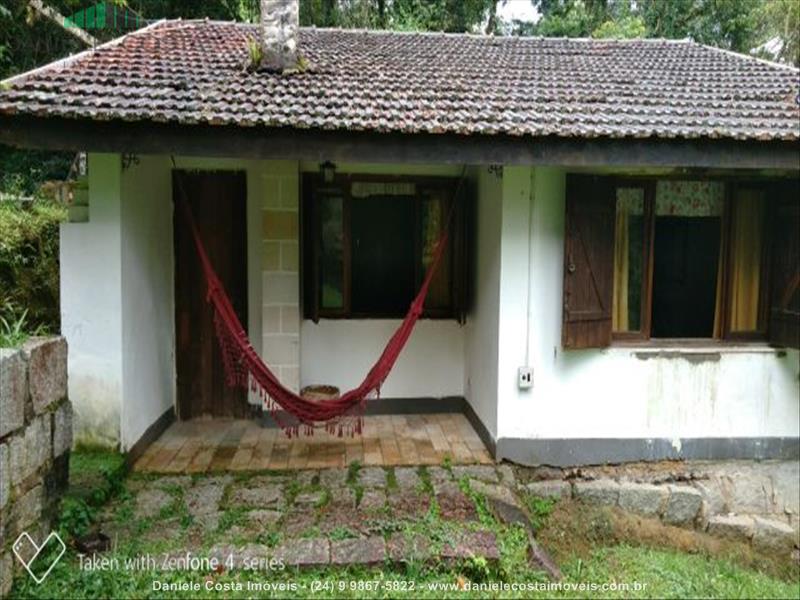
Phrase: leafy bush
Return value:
(29, 300)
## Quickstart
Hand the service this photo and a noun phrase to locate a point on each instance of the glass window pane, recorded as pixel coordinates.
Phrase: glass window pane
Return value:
(332, 252)
(746, 233)
(433, 222)
(628, 260)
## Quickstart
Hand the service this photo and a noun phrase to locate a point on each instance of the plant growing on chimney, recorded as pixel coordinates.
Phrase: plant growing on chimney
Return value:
(255, 55)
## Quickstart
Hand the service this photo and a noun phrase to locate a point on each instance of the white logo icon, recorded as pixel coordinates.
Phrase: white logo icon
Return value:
(25, 546)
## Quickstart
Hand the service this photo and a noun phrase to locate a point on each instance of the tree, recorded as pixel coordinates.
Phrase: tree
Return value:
(781, 30)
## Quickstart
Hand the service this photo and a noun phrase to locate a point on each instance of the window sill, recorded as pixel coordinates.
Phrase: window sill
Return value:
(693, 347)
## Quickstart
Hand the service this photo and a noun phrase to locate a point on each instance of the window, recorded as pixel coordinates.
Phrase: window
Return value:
(369, 240)
(672, 259)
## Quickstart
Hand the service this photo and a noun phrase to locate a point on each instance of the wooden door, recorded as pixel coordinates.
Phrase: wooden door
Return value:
(218, 202)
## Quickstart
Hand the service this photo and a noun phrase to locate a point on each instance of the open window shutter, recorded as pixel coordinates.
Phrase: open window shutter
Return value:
(588, 262)
(784, 314)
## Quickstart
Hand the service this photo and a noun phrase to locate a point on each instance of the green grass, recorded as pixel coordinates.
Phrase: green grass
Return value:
(661, 573)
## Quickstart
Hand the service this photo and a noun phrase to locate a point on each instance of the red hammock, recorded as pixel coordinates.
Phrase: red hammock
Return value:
(244, 368)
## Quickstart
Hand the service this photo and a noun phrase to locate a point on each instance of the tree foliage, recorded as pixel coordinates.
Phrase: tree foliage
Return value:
(739, 25)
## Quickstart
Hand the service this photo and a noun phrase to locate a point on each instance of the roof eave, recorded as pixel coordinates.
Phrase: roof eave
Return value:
(144, 137)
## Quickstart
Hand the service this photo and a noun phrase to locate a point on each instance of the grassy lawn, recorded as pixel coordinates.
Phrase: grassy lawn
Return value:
(593, 547)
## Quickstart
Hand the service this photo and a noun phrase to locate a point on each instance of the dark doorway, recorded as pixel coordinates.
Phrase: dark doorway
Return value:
(685, 263)
(218, 202)
(383, 254)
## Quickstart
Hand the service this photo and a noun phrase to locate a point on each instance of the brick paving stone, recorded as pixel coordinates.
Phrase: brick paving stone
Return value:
(358, 551)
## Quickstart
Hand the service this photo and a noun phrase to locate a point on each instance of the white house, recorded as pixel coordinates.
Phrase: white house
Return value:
(623, 269)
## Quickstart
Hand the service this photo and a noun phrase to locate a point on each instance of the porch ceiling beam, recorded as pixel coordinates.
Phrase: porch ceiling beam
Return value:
(315, 145)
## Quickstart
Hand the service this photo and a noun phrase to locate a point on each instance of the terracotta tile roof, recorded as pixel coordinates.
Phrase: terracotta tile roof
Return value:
(192, 72)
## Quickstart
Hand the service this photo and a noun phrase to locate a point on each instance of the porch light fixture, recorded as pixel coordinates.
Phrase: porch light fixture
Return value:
(328, 171)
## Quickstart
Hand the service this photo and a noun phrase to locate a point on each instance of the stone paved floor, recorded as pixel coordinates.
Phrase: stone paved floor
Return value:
(243, 445)
(354, 516)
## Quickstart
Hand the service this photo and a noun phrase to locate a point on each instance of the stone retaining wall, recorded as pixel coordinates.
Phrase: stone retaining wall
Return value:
(35, 441)
(757, 502)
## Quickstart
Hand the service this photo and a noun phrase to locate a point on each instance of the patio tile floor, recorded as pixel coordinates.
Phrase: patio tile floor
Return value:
(204, 445)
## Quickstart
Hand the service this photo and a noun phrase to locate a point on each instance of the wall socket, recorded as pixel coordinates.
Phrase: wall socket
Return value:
(525, 378)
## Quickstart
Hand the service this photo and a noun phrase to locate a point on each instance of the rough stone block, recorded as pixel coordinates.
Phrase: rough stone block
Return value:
(470, 545)
(372, 477)
(495, 492)
(600, 491)
(5, 477)
(734, 527)
(304, 552)
(62, 429)
(333, 478)
(642, 498)
(358, 551)
(683, 505)
(554, 488)
(6, 574)
(16, 459)
(260, 496)
(507, 474)
(480, 472)
(13, 389)
(27, 510)
(47, 371)
(204, 498)
(407, 478)
(403, 547)
(775, 535)
(38, 444)
(150, 502)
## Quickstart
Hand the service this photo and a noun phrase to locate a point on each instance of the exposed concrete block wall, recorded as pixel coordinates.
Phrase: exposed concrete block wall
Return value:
(280, 264)
(35, 440)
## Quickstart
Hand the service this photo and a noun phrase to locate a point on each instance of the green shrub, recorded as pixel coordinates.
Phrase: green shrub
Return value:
(29, 266)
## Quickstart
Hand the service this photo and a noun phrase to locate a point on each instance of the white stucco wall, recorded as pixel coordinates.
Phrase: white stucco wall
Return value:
(483, 319)
(716, 391)
(340, 352)
(91, 296)
(148, 307)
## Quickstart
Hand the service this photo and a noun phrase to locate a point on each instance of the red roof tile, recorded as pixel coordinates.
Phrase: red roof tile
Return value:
(192, 72)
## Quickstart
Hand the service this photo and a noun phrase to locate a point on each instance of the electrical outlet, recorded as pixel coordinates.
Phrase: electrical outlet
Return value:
(525, 378)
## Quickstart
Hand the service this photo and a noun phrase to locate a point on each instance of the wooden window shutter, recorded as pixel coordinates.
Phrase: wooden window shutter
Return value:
(588, 262)
(784, 314)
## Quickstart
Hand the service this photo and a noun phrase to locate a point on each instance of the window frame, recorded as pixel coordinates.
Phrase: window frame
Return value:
(724, 334)
(312, 185)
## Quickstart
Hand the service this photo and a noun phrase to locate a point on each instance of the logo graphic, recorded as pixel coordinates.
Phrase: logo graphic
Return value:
(39, 560)
(105, 15)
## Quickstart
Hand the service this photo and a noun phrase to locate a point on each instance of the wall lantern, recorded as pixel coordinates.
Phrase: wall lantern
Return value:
(328, 171)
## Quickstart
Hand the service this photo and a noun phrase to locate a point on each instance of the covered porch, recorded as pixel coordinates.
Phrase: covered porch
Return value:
(208, 445)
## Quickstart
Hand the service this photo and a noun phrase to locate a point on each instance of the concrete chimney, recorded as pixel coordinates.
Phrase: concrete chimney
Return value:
(280, 22)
